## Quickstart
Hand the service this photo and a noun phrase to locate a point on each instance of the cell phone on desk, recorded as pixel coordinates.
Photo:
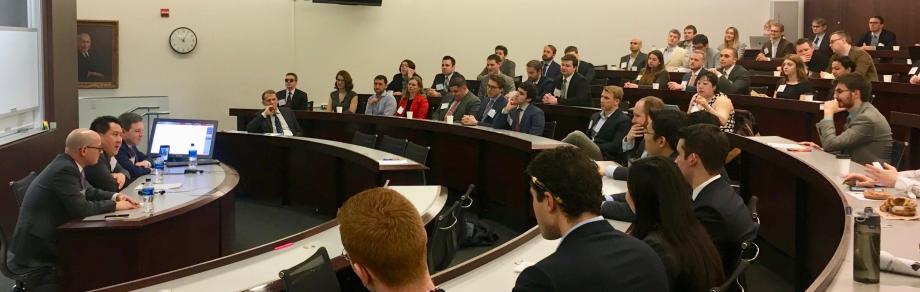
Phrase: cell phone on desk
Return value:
(857, 189)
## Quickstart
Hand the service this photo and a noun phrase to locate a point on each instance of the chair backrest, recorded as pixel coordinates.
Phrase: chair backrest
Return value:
(313, 274)
(310, 106)
(417, 153)
(3, 247)
(599, 82)
(21, 186)
(898, 148)
(442, 245)
(600, 67)
(393, 145)
(745, 123)
(366, 140)
(549, 129)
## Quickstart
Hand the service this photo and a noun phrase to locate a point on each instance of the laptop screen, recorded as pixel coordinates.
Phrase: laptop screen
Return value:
(179, 134)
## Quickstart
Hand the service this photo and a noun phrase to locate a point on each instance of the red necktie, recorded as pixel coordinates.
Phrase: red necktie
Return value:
(517, 120)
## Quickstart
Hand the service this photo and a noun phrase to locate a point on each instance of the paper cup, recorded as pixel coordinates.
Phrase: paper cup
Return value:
(776, 73)
(843, 164)
(409, 114)
(449, 119)
(655, 86)
(338, 109)
(896, 48)
(886, 78)
(807, 97)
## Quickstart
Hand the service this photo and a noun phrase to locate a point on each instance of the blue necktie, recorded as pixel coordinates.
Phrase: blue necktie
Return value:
(278, 128)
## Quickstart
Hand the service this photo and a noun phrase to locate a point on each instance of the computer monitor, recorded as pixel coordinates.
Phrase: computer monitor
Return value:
(179, 134)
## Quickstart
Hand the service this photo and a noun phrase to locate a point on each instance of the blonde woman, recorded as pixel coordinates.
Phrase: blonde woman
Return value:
(732, 40)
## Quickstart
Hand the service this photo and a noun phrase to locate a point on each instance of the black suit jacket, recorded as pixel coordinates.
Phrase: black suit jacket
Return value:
(586, 70)
(824, 45)
(552, 71)
(544, 86)
(100, 176)
(299, 99)
(261, 124)
(610, 136)
(737, 82)
(56, 196)
(124, 156)
(725, 217)
(596, 257)
(784, 48)
(639, 63)
(579, 91)
(819, 61)
(482, 115)
(439, 79)
(885, 37)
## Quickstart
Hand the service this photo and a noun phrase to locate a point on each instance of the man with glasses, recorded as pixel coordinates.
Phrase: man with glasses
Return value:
(840, 45)
(491, 104)
(820, 41)
(290, 96)
(107, 174)
(384, 241)
(592, 255)
(877, 37)
(56, 196)
(778, 47)
(129, 157)
(636, 59)
(460, 102)
(867, 137)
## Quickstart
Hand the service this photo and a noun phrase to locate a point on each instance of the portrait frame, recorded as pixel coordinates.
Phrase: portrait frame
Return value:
(97, 68)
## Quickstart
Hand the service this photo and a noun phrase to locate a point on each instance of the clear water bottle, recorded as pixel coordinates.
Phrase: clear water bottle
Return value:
(159, 164)
(192, 157)
(867, 246)
(147, 197)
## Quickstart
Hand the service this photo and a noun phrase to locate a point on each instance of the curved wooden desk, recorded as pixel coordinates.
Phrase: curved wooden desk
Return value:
(190, 225)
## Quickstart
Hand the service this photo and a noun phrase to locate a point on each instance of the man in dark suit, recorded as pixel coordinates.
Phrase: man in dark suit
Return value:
(592, 255)
(519, 115)
(633, 142)
(87, 65)
(821, 40)
(582, 67)
(701, 151)
(507, 66)
(129, 157)
(107, 175)
(815, 60)
(535, 76)
(778, 47)
(603, 140)
(733, 78)
(490, 104)
(550, 67)
(688, 81)
(877, 37)
(439, 87)
(636, 59)
(57, 195)
(274, 119)
(572, 89)
(460, 102)
(290, 96)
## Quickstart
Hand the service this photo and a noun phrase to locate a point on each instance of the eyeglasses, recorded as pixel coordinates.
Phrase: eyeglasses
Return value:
(94, 147)
(839, 91)
(289, 80)
(542, 188)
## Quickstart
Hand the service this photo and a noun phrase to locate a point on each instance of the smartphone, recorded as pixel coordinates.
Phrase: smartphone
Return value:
(857, 189)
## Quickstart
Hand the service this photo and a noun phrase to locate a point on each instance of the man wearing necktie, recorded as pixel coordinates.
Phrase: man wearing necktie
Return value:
(439, 87)
(573, 89)
(820, 41)
(87, 66)
(274, 119)
(877, 38)
(290, 96)
(733, 78)
(550, 67)
(519, 115)
(460, 102)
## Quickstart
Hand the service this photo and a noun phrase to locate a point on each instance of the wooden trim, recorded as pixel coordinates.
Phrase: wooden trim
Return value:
(474, 263)
(904, 119)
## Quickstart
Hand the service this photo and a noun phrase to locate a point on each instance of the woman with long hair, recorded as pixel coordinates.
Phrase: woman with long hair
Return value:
(732, 40)
(654, 72)
(413, 100)
(343, 96)
(660, 198)
(794, 83)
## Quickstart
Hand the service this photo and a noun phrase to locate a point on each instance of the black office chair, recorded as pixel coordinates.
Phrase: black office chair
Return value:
(748, 254)
(419, 154)
(310, 106)
(465, 203)
(600, 67)
(549, 129)
(313, 274)
(473, 85)
(442, 244)
(898, 148)
(366, 140)
(518, 80)
(393, 145)
(19, 277)
(19, 187)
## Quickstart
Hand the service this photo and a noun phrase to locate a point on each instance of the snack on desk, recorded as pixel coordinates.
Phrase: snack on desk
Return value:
(900, 206)
(875, 194)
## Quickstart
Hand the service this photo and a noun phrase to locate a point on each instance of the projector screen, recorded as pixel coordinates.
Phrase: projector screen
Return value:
(20, 72)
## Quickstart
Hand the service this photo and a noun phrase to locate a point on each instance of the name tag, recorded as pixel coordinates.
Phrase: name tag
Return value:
(634, 68)
(781, 88)
(444, 105)
(557, 92)
(655, 86)
(912, 71)
(638, 76)
(282, 102)
(881, 44)
(684, 84)
(491, 113)
(766, 51)
(623, 66)
(400, 110)
(439, 87)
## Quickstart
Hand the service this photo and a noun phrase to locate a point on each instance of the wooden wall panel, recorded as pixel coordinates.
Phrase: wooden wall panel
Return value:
(853, 16)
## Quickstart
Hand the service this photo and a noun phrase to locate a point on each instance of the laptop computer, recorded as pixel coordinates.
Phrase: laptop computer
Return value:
(179, 134)
(758, 41)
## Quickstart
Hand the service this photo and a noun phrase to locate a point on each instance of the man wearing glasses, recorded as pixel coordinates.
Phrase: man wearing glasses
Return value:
(840, 44)
(292, 97)
(820, 41)
(57, 195)
(636, 58)
(778, 47)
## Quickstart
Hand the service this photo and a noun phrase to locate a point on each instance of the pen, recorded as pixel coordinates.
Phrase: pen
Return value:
(117, 215)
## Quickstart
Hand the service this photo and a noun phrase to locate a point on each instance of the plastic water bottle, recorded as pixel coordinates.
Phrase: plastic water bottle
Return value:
(147, 196)
(159, 166)
(192, 157)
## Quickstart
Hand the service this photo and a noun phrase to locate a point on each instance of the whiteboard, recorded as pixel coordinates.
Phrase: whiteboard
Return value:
(19, 75)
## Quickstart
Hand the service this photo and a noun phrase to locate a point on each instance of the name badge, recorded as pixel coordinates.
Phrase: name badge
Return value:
(781, 88)
(881, 45)
(282, 102)
(766, 51)
(444, 105)
(634, 68)
(623, 66)
(400, 110)
(912, 71)
(491, 113)
(557, 92)
(684, 84)
(638, 76)
(655, 85)
(439, 87)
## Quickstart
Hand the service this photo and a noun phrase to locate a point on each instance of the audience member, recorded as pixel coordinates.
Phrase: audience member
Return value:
(406, 71)
(573, 88)
(382, 102)
(493, 63)
(274, 119)
(385, 241)
(442, 80)
(867, 137)
(820, 41)
(544, 85)
(815, 60)
(710, 98)
(732, 40)
(794, 82)
(492, 103)
(688, 82)
(660, 139)
(107, 175)
(633, 142)
(592, 255)
(413, 100)
(129, 157)
(343, 99)
(905, 182)
(507, 66)
(733, 78)
(840, 44)
(877, 37)
(550, 67)
(841, 65)
(604, 138)
(689, 34)
(58, 195)
(701, 43)
(666, 222)
(653, 73)
(582, 67)
(460, 102)
(674, 55)
(636, 58)
(519, 115)
(293, 98)
(778, 46)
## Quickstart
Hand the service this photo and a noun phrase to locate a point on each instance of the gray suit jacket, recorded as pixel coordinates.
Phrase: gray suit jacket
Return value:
(867, 137)
(737, 82)
(56, 196)
(469, 105)
(712, 58)
(639, 63)
(484, 84)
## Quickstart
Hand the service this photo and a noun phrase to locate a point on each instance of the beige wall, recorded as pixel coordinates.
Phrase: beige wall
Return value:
(246, 46)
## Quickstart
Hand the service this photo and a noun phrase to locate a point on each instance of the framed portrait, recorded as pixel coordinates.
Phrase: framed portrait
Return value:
(97, 54)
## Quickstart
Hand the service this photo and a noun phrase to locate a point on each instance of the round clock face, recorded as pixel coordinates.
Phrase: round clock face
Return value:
(183, 40)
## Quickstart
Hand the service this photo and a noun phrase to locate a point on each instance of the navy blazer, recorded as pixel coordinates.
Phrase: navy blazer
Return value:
(260, 124)
(532, 121)
(579, 91)
(885, 37)
(483, 114)
(100, 174)
(690, 87)
(125, 155)
(546, 85)
(824, 45)
(596, 257)
(610, 136)
(727, 220)
(552, 71)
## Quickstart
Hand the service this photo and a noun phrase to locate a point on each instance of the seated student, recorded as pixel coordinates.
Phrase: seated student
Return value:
(56, 196)
(274, 119)
(666, 222)
(460, 102)
(840, 45)
(778, 46)
(688, 82)
(867, 137)
(343, 99)
(653, 72)
(733, 78)
(544, 85)
(604, 138)
(674, 55)
(709, 98)
(636, 58)
(701, 156)
(877, 37)
(815, 60)
(592, 255)
(582, 67)
(573, 89)
(507, 66)
(519, 115)
(107, 175)
(291, 96)
(441, 82)
(907, 182)
(129, 157)
(491, 104)
(398, 85)
(633, 147)
(381, 103)
(493, 64)
(794, 82)
(732, 40)
(701, 43)
(384, 241)
(413, 100)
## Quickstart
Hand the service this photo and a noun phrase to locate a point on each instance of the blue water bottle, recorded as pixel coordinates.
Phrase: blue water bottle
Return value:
(147, 196)
(159, 164)
(192, 157)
